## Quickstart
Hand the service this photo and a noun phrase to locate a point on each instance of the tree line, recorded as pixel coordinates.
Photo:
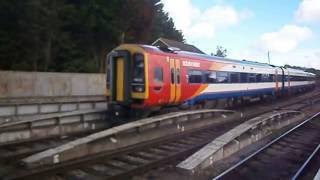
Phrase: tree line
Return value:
(75, 35)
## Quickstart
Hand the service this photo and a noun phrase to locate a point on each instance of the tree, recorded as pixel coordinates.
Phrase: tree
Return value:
(75, 35)
(221, 52)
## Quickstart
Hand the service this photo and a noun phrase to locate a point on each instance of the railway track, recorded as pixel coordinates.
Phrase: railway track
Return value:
(13, 151)
(288, 156)
(131, 160)
(10, 153)
(123, 163)
(83, 120)
(310, 167)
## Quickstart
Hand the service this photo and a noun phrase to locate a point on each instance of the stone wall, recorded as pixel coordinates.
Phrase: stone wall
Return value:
(15, 84)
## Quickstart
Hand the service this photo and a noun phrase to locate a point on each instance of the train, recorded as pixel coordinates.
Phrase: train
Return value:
(141, 79)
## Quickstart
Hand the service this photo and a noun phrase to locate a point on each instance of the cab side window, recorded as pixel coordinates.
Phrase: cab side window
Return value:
(158, 74)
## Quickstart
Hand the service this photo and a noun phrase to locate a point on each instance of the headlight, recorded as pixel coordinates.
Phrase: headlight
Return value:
(137, 80)
(138, 88)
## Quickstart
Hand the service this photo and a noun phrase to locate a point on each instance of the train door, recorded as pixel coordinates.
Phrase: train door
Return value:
(175, 81)
(289, 83)
(282, 75)
(119, 64)
(277, 80)
(118, 79)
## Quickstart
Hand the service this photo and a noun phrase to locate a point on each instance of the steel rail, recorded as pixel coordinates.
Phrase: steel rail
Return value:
(264, 147)
(305, 164)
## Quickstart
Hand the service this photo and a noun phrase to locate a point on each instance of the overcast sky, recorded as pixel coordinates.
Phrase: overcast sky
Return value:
(289, 29)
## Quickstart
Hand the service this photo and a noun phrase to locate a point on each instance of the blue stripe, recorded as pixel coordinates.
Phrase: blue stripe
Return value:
(234, 94)
(230, 94)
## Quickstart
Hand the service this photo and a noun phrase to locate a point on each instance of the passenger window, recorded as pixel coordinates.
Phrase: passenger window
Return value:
(265, 78)
(279, 78)
(195, 76)
(285, 78)
(258, 78)
(222, 77)
(234, 77)
(252, 77)
(271, 78)
(243, 77)
(210, 77)
(158, 74)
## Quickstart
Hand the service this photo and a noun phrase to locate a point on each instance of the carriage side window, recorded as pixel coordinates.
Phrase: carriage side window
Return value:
(295, 78)
(251, 78)
(271, 78)
(259, 77)
(222, 77)
(301, 78)
(243, 77)
(158, 74)
(195, 76)
(265, 78)
(234, 77)
(210, 77)
(279, 78)
(286, 78)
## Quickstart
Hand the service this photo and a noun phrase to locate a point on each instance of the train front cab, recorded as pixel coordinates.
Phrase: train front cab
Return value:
(126, 80)
(141, 80)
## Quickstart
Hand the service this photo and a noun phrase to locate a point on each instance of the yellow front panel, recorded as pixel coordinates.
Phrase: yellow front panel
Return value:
(137, 49)
(120, 79)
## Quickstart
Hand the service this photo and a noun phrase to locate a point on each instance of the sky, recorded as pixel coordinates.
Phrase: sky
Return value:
(248, 29)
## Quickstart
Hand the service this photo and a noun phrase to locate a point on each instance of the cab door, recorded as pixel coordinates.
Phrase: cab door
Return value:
(175, 81)
(118, 76)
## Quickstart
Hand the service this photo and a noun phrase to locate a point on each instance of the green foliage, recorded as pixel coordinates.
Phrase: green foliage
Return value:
(75, 35)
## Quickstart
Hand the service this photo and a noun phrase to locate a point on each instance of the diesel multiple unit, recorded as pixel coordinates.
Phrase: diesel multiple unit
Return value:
(143, 78)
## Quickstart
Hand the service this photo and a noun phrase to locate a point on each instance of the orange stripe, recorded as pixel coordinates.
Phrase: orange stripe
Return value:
(201, 88)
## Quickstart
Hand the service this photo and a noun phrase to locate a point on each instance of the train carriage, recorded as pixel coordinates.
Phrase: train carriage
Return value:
(142, 78)
(297, 80)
